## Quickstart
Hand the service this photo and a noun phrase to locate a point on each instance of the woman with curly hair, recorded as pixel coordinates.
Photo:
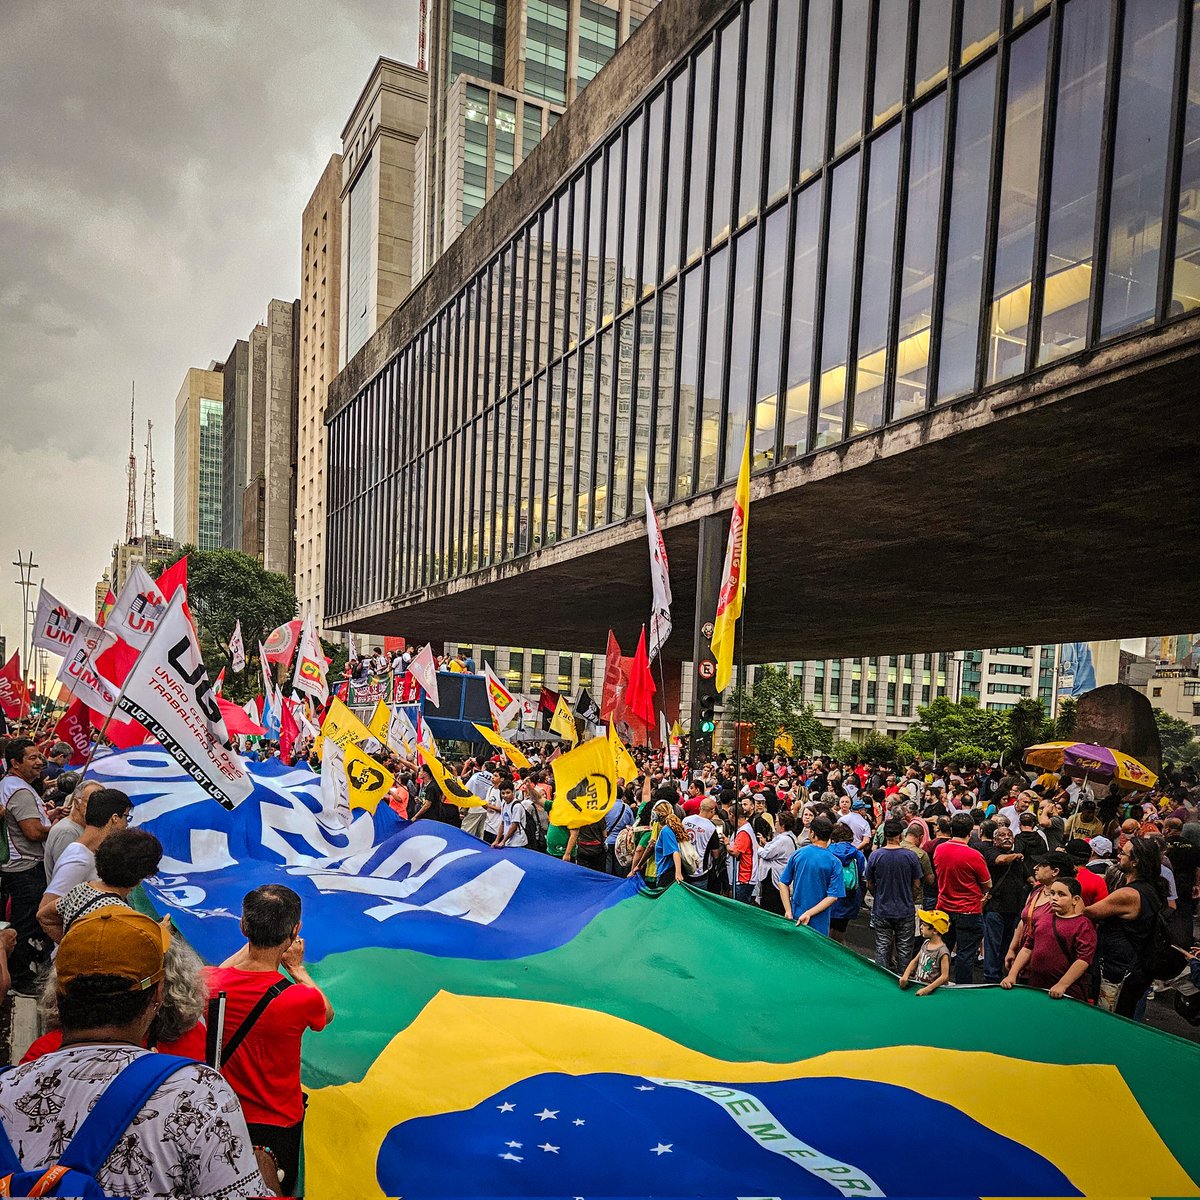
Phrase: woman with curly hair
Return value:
(668, 859)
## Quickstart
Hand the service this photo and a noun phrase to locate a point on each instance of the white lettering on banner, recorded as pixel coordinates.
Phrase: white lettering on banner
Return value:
(755, 1119)
(300, 822)
(210, 852)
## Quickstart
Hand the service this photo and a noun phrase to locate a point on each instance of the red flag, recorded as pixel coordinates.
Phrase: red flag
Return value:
(281, 643)
(289, 732)
(548, 700)
(114, 663)
(219, 682)
(615, 679)
(14, 695)
(237, 719)
(639, 693)
(126, 735)
(109, 600)
(75, 728)
(175, 576)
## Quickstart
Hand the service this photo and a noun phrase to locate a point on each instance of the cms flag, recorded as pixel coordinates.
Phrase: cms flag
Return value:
(168, 691)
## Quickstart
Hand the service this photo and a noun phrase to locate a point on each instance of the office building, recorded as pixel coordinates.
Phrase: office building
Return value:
(998, 678)
(378, 182)
(317, 344)
(898, 239)
(198, 457)
(235, 440)
(500, 76)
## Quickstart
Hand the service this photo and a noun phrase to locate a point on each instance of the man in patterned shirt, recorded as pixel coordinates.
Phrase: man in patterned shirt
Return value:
(190, 1137)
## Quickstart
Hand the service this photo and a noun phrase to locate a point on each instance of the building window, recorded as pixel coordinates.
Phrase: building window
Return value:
(477, 30)
(360, 220)
(597, 39)
(546, 50)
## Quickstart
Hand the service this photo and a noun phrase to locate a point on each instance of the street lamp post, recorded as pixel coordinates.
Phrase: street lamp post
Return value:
(25, 569)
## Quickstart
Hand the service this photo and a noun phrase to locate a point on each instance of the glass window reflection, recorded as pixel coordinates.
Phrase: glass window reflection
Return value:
(714, 368)
(839, 284)
(805, 258)
(725, 141)
(1185, 292)
(745, 262)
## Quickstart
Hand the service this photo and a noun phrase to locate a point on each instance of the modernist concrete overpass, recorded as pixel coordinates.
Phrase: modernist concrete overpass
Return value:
(1064, 508)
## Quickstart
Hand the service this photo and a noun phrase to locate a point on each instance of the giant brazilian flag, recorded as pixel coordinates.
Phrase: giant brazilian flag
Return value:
(509, 1025)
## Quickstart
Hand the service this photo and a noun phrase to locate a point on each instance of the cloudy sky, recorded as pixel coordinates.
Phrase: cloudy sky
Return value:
(155, 158)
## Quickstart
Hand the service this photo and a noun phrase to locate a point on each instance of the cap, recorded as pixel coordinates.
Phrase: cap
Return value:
(938, 784)
(934, 918)
(1087, 802)
(857, 806)
(1102, 846)
(1056, 858)
(1079, 850)
(113, 941)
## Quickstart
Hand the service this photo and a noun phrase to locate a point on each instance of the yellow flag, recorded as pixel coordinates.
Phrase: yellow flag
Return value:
(378, 724)
(342, 726)
(369, 782)
(677, 730)
(585, 784)
(733, 574)
(626, 767)
(563, 722)
(452, 788)
(502, 743)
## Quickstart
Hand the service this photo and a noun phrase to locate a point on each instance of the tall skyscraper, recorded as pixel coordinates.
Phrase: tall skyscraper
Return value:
(198, 457)
(378, 180)
(234, 438)
(500, 74)
(317, 343)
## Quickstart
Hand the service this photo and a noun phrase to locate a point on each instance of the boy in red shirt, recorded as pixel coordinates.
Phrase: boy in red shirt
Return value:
(262, 1064)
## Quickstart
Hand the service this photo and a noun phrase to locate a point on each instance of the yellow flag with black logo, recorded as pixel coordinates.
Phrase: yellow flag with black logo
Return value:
(626, 767)
(452, 788)
(378, 724)
(563, 722)
(369, 782)
(502, 744)
(342, 726)
(585, 784)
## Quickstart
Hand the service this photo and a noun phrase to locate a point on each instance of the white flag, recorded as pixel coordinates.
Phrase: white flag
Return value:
(78, 672)
(237, 649)
(351, 646)
(424, 670)
(335, 788)
(138, 609)
(168, 691)
(401, 736)
(660, 580)
(309, 676)
(55, 626)
(268, 684)
(504, 705)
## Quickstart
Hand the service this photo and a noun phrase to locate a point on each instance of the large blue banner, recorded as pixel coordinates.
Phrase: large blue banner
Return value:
(380, 882)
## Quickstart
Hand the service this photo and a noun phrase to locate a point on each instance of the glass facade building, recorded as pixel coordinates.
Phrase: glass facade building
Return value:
(827, 218)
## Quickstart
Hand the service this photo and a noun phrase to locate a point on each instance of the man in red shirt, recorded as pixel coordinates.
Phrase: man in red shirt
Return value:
(262, 1062)
(963, 885)
(744, 851)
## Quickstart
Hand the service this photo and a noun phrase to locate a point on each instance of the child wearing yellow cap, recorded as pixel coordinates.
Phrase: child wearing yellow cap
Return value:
(931, 966)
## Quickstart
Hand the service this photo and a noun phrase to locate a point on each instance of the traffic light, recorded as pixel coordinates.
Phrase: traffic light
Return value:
(708, 723)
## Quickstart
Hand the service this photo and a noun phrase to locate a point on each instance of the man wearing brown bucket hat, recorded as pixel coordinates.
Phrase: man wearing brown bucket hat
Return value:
(103, 1108)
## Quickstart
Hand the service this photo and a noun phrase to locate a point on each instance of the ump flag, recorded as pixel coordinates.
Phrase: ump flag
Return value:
(513, 1025)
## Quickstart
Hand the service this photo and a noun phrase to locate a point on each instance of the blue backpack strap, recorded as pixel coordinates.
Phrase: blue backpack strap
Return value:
(122, 1100)
(8, 1156)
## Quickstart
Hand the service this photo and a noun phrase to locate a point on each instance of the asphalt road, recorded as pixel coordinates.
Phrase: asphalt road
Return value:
(1160, 1012)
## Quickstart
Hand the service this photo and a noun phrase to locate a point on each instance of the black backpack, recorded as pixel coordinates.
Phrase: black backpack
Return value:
(534, 836)
(1159, 957)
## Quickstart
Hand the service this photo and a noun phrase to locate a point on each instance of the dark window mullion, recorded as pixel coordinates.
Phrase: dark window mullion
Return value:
(996, 171)
(814, 389)
(939, 271)
(1170, 227)
(860, 237)
(835, 51)
(785, 333)
(1104, 186)
(1041, 233)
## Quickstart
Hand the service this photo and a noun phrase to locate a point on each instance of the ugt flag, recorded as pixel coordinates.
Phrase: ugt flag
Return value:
(169, 693)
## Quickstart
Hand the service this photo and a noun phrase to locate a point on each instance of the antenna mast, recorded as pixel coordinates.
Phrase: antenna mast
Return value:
(131, 476)
(423, 19)
(149, 522)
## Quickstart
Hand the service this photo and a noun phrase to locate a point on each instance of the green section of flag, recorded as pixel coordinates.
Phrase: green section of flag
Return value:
(742, 985)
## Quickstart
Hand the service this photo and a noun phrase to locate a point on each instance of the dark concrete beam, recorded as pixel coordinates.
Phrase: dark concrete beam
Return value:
(1063, 507)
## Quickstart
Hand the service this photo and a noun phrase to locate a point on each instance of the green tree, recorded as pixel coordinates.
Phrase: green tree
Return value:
(1176, 737)
(946, 729)
(1068, 714)
(1027, 725)
(225, 586)
(875, 747)
(774, 705)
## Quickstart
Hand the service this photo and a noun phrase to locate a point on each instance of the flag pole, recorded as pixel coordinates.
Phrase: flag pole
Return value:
(741, 678)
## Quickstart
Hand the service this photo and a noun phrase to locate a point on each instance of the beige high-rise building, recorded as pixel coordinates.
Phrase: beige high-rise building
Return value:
(317, 340)
(198, 452)
(378, 182)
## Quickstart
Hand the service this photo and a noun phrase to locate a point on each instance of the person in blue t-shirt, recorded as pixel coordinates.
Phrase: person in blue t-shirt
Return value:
(667, 856)
(811, 883)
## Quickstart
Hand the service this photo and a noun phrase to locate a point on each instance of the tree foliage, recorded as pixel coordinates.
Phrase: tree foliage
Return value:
(1068, 714)
(225, 586)
(1027, 725)
(774, 705)
(1179, 744)
(961, 731)
(875, 747)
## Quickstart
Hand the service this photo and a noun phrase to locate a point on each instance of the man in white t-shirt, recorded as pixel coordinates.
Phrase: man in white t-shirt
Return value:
(108, 810)
(856, 822)
(512, 821)
(701, 825)
(70, 828)
(485, 785)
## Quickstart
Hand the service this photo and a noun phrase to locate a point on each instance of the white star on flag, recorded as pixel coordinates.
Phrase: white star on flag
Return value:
(547, 1115)
(578, 1121)
(511, 1157)
(513, 1145)
(549, 1149)
(660, 1149)
(506, 1107)
(644, 1088)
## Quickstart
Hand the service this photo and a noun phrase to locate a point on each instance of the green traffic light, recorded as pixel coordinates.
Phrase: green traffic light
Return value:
(707, 726)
